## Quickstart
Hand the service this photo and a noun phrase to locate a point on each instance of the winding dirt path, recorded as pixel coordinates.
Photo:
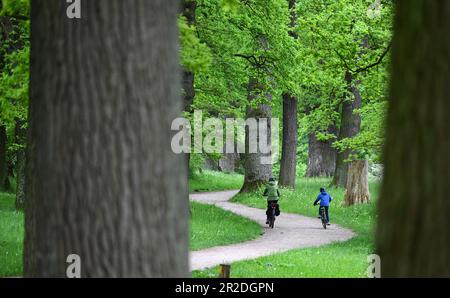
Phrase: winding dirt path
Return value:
(291, 231)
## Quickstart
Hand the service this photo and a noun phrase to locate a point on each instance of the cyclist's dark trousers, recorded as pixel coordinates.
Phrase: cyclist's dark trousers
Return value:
(326, 212)
(268, 206)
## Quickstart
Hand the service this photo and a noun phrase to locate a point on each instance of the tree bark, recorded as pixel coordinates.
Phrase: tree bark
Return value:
(229, 162)
(414, 207)
(103, 180)
(321, 156)
(21, 137)
(350, 127)
(357, 190)
(256, 173)
(288, 163)
(3, 157)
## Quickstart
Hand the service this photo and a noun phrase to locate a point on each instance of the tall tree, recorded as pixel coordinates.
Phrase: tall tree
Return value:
(288, 163)
(256, 173)
(103, 182)
(414, 206)
(350, 127)
(332, 35)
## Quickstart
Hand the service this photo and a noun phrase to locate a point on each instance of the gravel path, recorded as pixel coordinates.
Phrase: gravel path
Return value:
(291, 231)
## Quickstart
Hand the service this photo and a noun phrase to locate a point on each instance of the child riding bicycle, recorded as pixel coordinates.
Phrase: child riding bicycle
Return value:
(273, 195)
(325, 200)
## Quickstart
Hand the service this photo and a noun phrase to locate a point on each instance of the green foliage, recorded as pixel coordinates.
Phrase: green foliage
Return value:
(250, 40)
(14, 67)
(195, 55)
(14, 87)
(338, 37)
(369, 142)
(17, 8)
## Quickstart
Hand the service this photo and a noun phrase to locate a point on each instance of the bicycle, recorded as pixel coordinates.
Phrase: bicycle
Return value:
(323, 217)
(272, 214)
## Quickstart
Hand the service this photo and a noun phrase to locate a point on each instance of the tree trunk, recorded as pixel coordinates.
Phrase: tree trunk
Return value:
(103, 182)
(288, 163)
(229, 162)
(413, 238)
(3, 157)
(350, 127)
(10, 174)
(321, 156)
(256, 173)
(21, 137)
(357, 190)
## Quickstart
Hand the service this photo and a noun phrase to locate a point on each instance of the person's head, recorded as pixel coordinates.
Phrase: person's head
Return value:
(322, 189)
(272, 179)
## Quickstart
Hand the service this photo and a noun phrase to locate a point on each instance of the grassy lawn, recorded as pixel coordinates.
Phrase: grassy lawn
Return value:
(212, 226)
(215, 181)
(346, 259)
(11, 237)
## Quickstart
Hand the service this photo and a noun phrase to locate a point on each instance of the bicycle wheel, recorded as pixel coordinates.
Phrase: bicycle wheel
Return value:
(272, 219)
(323, 218)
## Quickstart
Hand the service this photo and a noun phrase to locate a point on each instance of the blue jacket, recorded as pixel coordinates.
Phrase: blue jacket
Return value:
(324, 199)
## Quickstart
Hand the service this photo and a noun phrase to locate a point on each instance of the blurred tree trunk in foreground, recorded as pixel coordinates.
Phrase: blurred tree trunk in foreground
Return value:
(102, 180)
(413, 236)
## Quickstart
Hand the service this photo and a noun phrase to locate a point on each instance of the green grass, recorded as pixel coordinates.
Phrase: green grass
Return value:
(347, 259)
(11, 237)
(212, 226)
(215, 181)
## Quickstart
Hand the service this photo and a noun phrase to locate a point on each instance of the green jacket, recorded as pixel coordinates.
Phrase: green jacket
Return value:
(271, 192)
